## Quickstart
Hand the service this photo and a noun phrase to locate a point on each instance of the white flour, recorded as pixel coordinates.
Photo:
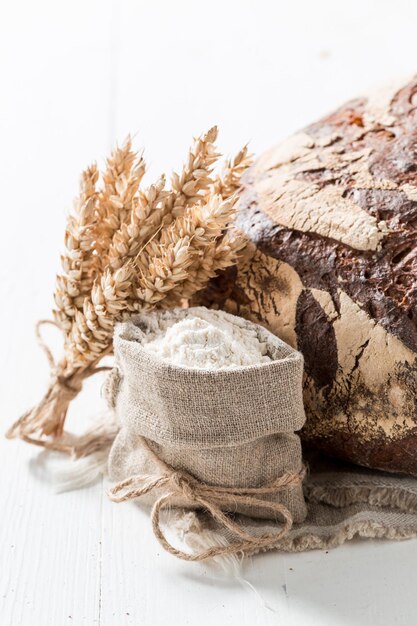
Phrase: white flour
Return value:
(208, 342)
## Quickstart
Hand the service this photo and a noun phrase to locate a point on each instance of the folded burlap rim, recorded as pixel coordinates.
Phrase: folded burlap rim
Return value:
(211, 498)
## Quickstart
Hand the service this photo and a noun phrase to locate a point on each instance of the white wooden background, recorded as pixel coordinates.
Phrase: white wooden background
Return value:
(75, 77)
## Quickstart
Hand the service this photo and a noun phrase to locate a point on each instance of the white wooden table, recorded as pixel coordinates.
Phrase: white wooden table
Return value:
(75, 77)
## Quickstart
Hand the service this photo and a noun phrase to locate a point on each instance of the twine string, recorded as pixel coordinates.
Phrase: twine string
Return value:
(48, 416)
(213, 499)
(42, 343)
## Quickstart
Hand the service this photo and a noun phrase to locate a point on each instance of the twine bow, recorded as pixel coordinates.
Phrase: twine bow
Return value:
(213, 499)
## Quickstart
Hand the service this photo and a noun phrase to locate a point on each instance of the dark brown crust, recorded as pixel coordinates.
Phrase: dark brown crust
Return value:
(369, 278)
(390, 456)
(316, 337)
(395, 454)
(383, 281)
(344, 417)
(392, 270)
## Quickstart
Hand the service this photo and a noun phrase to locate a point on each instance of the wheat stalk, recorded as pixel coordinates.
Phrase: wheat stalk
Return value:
(126, 250)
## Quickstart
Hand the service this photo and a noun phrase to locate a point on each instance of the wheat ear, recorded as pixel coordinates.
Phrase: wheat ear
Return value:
(127, 250)
(228, 181)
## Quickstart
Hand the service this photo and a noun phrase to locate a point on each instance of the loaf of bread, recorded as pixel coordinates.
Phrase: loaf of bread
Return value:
(331, 215)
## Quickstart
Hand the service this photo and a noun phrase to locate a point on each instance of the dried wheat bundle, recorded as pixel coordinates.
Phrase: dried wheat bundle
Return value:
(129, 249)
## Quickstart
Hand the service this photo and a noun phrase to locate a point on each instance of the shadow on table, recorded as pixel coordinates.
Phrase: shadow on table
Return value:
(362, 583)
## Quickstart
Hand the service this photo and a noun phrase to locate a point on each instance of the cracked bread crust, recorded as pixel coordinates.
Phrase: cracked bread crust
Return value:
(331, 214)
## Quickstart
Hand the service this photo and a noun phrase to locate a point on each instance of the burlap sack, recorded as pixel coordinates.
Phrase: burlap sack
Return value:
(231, 430)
